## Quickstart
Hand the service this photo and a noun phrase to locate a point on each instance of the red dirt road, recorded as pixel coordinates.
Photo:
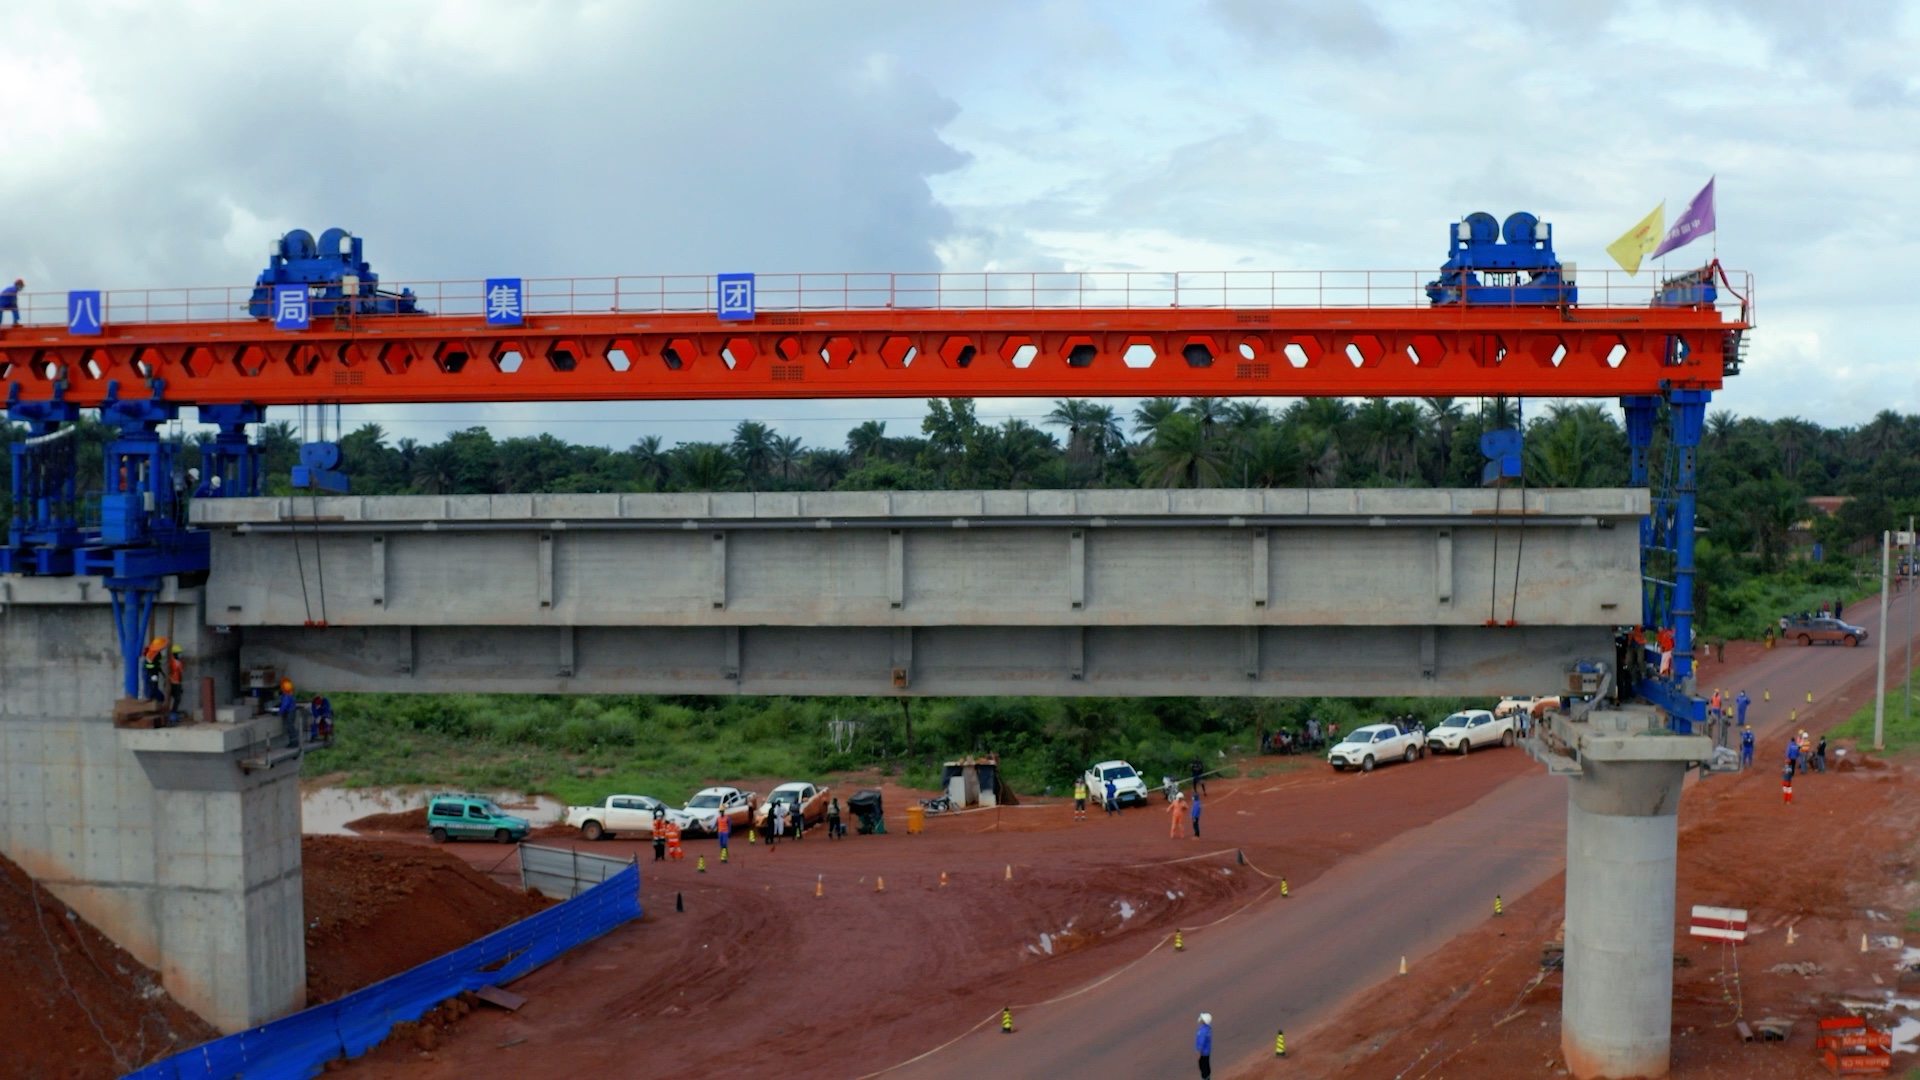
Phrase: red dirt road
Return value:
(759, 974)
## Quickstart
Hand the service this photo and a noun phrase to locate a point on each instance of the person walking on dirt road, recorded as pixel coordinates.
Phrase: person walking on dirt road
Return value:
(1195, 813)
(722, 830)
(1793, 754)
(1080, 799)
(1746, 746)
(1175, 811)
(1112, 799)
(833, 820)
(1820, 755)
(1203, 1045)
(1199, 778)
(1740, 704)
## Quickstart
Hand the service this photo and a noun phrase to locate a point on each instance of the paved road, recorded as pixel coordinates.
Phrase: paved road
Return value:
(1293, 963)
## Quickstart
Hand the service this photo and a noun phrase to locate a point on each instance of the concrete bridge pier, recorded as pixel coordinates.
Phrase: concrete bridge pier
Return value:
(161, 839)
(1623, 804)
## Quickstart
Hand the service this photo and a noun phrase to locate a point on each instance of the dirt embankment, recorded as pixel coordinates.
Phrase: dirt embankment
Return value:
(375, 908)
(1835, 865)
(74, 1005)
(403, 821)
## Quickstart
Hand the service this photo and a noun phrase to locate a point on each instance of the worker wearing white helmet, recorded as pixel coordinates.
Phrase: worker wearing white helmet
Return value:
(1203, 1045)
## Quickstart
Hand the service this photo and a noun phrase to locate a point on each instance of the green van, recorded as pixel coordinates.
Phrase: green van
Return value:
(472, 817)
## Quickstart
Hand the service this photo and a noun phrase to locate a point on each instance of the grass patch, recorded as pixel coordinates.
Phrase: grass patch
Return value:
(579, 749)
(1900, 731)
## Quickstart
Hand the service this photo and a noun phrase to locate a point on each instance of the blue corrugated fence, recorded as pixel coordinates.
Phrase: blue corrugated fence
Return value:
(297, 1047)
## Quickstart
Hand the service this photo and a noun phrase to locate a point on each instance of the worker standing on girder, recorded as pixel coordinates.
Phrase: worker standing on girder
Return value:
(320, 716)
(288, 710)
(10, 301)
(153, 670)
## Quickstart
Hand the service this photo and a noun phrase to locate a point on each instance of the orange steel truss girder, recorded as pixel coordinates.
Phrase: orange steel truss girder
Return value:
(1408, 352)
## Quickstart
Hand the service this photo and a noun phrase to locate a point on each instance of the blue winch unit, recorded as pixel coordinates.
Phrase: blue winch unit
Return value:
(335, 271)
(1510, 265)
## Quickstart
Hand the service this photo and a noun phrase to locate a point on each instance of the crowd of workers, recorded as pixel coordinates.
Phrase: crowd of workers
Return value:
(163, 671)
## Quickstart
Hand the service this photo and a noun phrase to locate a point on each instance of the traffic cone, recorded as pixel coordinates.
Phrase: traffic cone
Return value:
(1863, 943)
(1809, 697)
(723, 854)
(752, 837)
(1180, 944)
(1009, 872)
(1006, 1020)
(1766, 695)
(1279, 1043)
(943, 879)
(701, 866)
(1284, 894)
(1499, 908)
(819, 886)
(1793, 714)
(1790, 934)
(879, 884)
(1403, 965)
(678, 903)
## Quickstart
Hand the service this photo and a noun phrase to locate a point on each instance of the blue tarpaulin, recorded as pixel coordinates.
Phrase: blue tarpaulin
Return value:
(299, 1046)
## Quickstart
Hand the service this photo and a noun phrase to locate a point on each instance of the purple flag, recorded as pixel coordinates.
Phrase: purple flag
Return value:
(1695, 223)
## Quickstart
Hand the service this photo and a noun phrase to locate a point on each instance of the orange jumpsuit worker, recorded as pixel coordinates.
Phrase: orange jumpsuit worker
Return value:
(674, 851)
(176, 674)
(1176, 813)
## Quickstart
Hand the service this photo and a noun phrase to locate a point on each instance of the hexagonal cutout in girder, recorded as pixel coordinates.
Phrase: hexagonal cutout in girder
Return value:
(787, 348)
(508, 360)
(1250, 348)
(564, 355)
(957, 351)
(93, 364)
(617, 359)
(738, 353)
(1364, 351)
(395, 357)
(1425, 349)
(1078, 351)
(898, 351)
(1018, 351)
(196, 361)
(1139, 353)
(838, 352)
(251, 360)
(679, 353)
(451, 356)
(1199, 352)
(1298, 355)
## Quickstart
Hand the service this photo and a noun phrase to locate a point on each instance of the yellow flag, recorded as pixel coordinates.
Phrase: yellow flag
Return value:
(1637, 241)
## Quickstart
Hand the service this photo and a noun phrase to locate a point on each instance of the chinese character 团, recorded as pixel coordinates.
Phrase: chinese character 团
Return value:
(503, 302)
(290, 309)
(736, 296)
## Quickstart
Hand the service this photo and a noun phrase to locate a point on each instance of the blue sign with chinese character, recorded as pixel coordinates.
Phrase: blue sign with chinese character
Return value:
(505, 301)
(290, 308)
(736, 297)
(84, 312)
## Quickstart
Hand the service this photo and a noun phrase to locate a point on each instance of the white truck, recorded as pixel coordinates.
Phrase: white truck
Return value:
(616, 814)
(1128, 787)
(1470, 729)
(1376, 744)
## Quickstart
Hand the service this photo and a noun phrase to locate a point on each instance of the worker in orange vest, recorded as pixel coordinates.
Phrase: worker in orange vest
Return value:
(153, 667)
(1176, 813)
(674, 850)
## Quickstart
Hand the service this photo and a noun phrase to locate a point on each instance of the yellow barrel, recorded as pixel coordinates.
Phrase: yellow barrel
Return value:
(916, 819)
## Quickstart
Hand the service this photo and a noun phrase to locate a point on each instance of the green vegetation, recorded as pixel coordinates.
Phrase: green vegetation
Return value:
(1902, 726)
(578, 749)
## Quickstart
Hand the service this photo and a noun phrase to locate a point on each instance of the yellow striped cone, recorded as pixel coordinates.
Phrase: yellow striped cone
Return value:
(1766, 695)
(1284, 894)
(1809, 697)
(1499, 907)
(752, 837)
(1179, 943)
(1280, 1043)
(701, 866)
(723, 854)
(1006, 1020)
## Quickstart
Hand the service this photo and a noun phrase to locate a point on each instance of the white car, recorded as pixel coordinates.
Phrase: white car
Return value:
(1466, 731)
(1128, 787)
(1376, 744)
(702, 812)
(615, 814)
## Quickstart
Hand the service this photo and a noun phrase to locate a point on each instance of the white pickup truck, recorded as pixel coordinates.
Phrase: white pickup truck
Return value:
(616, 814)
(1376, 744)
(1468, 730)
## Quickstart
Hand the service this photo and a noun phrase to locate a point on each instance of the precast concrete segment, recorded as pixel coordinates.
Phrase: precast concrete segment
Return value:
(156, 837)
(1622, 853)
(1273, 592)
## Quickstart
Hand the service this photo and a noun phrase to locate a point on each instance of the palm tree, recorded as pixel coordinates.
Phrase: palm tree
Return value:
(1104, 434)
(706, 467)
(1150, 413)
(649, 463)
(867, 442)
(1182, 453)
(1270, 457)
(1075, 415)
(1720, 426)
(753, 448)
(1247, 415)
(1444, 415)
(1208, 410)
(435, 471)
(787, 451)
(827, 467)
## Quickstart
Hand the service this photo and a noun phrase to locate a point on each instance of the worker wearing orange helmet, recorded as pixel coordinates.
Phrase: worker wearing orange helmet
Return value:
(153, 668)
(10, 301)
(289, 706)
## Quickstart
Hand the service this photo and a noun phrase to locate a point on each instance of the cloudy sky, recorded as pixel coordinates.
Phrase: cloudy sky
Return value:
(166, 144)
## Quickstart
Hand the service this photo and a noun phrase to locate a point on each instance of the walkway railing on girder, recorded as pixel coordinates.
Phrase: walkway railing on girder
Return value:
(988, 290)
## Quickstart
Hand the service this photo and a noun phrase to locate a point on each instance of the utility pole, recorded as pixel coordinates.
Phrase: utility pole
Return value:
(1907, 683)
(1880, 699)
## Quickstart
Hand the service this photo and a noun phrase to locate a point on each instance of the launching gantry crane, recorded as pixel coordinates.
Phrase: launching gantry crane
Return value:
(1504, 318)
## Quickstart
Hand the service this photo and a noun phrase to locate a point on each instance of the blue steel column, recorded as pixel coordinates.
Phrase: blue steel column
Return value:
(1689, 413)
(1641, 410)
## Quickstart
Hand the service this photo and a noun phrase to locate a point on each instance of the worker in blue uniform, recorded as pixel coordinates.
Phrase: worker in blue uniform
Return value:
(10, 301)
(1740, 704)
(1746, 747)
